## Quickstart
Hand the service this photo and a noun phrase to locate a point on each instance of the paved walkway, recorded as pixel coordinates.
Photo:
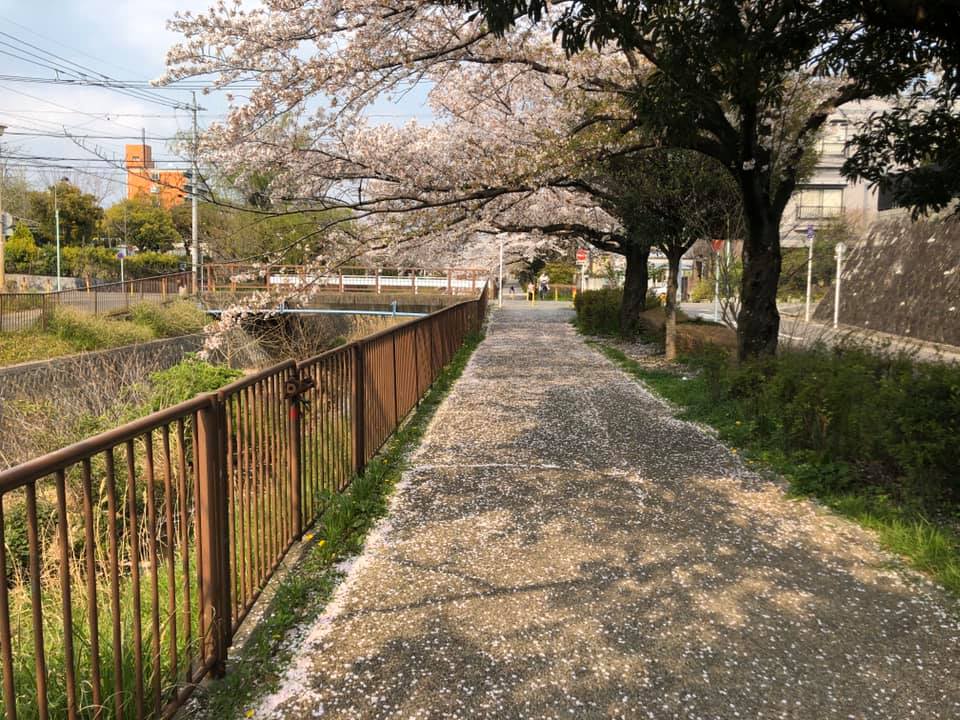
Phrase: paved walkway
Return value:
(565, 548)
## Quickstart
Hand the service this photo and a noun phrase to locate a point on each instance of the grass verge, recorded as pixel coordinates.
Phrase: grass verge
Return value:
(71, 331)
(303, 593)
(904, 524)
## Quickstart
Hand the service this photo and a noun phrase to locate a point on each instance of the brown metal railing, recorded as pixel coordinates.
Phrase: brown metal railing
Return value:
(21, 311)
(131, 558)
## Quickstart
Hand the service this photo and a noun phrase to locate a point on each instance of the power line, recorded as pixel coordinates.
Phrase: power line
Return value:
(126, 84)
(9, 21)
(70, 67)
(107, 116)
(64, 107)
(90, 137)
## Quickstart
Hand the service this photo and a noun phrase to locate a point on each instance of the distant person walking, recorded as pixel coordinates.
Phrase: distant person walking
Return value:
(544, 285)
(531, 292)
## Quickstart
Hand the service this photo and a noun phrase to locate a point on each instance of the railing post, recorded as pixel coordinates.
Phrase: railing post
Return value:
(357, 414)
(396, 391)
(294, 450)
(212, 511)
(416, 358)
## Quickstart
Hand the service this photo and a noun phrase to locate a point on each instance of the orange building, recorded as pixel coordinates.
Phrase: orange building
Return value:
(166, 186)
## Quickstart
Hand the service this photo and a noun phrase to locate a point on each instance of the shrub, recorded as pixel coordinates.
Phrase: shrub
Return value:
(180, 317)
(703, 290)
(598, 311)
(148, 264)
(186, 379)
(560, 273)
(90, 332)
(851, 405)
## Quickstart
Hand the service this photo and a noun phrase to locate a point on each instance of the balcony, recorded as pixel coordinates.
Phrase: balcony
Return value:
(832, 147)
(818, 212)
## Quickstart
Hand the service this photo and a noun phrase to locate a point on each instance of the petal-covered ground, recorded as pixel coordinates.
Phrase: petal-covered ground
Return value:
(564, 547)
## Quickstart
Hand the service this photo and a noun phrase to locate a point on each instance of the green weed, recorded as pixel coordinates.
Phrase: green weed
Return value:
(871, 437)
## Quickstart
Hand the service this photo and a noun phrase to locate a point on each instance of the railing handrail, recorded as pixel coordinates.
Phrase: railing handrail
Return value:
(47, 293)
(39, 467)
(215, 490)
(19, 475)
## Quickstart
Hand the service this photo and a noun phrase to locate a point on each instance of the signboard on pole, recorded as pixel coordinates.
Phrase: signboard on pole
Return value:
(810, 233)
(717, 245)
(582, 255)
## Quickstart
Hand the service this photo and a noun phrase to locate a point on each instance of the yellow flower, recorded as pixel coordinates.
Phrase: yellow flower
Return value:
(733, 450)
(739, 423)
(308, 537)
(249, 713)
(321, 543)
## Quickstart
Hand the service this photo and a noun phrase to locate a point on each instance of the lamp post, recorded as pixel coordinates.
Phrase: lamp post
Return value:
(3, 227)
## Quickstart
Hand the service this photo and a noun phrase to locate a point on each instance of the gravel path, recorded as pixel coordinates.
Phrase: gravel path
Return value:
(565, 548)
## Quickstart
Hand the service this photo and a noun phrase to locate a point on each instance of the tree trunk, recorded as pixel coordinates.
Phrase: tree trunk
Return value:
(758, 324)
(673, 283)
(634, 289)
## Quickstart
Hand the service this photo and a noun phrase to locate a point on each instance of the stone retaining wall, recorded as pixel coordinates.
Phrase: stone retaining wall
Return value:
(903, 279)
(48, 379)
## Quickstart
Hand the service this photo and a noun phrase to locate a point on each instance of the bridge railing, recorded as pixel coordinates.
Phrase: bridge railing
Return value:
(22, 311)
(131, 557)
(450, 281)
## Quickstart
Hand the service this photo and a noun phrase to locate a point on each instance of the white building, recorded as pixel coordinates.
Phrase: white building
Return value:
(827, 195)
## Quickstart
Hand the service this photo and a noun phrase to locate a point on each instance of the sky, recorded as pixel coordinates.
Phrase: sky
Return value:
(126, 40)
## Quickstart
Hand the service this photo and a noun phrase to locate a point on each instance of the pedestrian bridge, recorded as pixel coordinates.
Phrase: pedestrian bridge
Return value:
(298, 289)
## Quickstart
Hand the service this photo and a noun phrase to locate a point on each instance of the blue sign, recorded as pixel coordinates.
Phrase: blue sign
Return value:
(809, 232)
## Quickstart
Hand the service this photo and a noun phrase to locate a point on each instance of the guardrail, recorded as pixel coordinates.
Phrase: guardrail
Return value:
(451, 281)
(132, 557)
(22, 311)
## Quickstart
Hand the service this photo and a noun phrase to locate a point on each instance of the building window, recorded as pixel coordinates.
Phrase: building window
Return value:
(833, 141)
(815, 203)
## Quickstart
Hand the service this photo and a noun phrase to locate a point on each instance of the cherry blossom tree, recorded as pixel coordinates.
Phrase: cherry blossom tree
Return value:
(513, 115)
(723, 74)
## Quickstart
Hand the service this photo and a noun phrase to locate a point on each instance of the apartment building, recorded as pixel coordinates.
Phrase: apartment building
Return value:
(167, 187)
(826, 195)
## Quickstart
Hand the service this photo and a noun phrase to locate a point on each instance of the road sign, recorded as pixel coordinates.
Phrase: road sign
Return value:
(582, 255)
(810, 232)
(717, 245)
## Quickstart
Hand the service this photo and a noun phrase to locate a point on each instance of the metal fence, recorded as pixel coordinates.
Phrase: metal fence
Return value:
(22, 311)
(132, 557)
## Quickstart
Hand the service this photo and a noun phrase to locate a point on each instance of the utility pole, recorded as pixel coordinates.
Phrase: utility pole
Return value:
(56, 220)
(810, 235)
(3, 225)
(500, 286)
(194, 235)
(839, 250)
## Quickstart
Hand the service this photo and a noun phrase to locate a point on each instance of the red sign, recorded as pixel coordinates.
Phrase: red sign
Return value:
(717, 245)
(581, 255)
